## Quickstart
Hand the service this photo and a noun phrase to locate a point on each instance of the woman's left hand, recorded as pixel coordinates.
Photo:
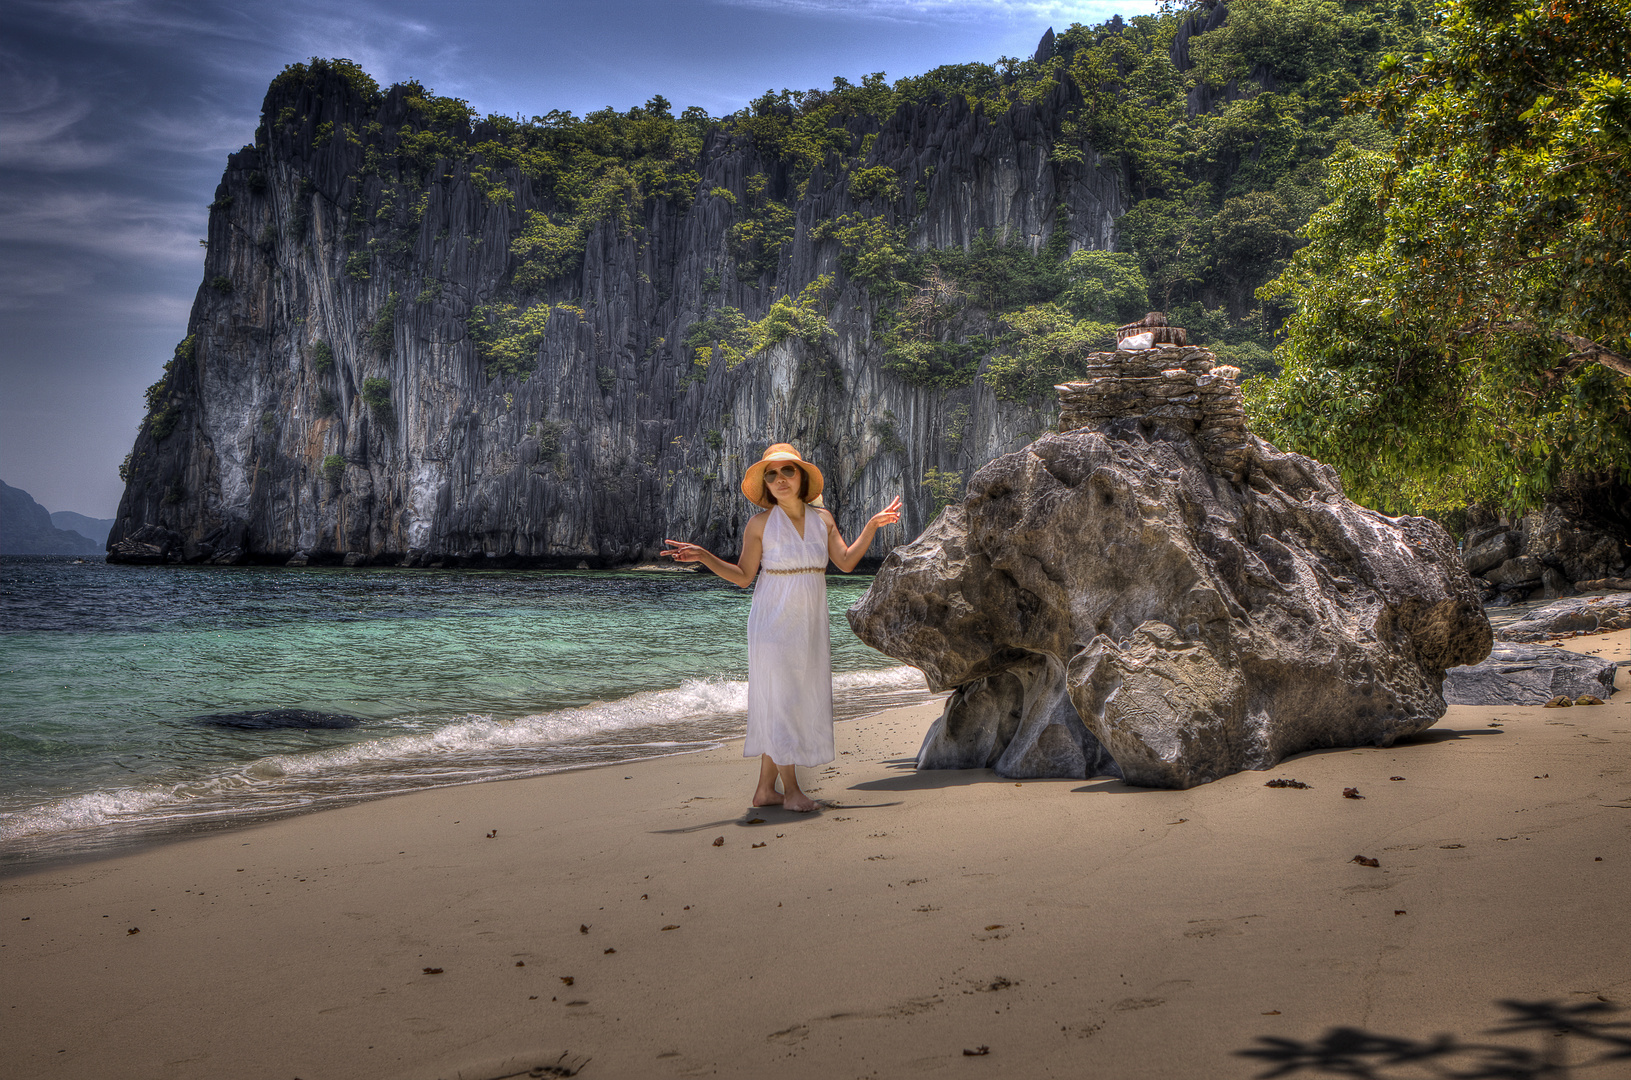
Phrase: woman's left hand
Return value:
(887, 516)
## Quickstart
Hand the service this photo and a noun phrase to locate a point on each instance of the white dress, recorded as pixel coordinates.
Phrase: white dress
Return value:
(789, 646)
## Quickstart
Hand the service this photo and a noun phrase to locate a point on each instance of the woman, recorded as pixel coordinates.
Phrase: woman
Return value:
(789, 650)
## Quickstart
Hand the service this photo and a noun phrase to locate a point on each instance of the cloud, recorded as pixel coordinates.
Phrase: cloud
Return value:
(25, 284)
(137, 21)
(1062, 12)
(102, 223)
(37, 121)
(212, 132)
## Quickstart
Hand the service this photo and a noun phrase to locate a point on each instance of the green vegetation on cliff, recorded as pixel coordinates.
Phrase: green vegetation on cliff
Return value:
(1443, 236)
(163, 402)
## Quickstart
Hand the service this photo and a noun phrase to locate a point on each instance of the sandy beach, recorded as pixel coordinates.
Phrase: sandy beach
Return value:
(638, 921)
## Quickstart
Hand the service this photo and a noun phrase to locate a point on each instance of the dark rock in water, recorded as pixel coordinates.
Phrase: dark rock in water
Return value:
(1528, 675)
(148, 544)
(1198, 627)
(275, 719)
(1590, 614)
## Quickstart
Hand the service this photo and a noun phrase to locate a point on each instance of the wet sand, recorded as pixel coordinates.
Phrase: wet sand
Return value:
(638, 919)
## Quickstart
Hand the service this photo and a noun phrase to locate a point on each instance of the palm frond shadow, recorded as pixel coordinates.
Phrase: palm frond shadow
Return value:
(1570, 1036)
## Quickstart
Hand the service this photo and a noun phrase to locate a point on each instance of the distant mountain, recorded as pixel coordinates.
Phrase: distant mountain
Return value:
(93, 529)
(26, 529)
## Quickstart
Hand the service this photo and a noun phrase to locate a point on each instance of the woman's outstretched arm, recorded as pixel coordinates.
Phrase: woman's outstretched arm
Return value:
(846, 556)
(741, 572)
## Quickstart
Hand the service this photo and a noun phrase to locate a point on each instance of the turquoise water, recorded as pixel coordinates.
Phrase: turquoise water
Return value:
(109, 676)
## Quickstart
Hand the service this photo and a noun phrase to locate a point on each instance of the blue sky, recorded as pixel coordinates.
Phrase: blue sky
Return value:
(116, 117)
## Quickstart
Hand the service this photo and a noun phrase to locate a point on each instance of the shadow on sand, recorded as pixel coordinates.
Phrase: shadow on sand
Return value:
(909, 778)
(1544, 1039)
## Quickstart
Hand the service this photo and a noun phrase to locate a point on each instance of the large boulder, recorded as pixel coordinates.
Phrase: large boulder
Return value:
(1491, 549)
(1585, 615)
(1525, 571)
(1106, 600)
(1581, 550)
(1516, 674)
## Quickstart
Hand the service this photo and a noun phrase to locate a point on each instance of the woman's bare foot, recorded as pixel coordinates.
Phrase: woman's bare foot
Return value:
(768, 798)
(799, 803)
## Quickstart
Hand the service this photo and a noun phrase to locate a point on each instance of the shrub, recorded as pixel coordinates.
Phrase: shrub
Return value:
(380, 333)
(508, 336)
(1048, 347)
(880, 180)
(163, 422)
(221, 284)
(956, 428)
(256, 181)
(333, 469)
(1108, 286)
(801, 318)
(607, 378)
(757, 240)
(724, 193)
(357, 265)
(871, 250)
(888, 437)
(549, 434)
(322, 358)
(738, 339)
(945, 487)
(376, 393)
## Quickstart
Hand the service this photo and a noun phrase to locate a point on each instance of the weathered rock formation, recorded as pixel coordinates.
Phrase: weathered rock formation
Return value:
(328, 274)
(1528, 675)
(1110, 599)
(1550, 552)
(1586, 615)
(1181, 387)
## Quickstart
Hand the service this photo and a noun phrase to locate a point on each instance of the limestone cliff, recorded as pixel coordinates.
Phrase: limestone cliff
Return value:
(333, 400)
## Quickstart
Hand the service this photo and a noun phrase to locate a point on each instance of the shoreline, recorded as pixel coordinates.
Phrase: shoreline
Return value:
(107, 840)
(1059, 924)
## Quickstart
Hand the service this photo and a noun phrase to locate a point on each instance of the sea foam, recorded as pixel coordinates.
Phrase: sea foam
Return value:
(467, 749)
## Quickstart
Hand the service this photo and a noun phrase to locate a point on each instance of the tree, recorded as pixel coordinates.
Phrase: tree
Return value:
(1459, 325)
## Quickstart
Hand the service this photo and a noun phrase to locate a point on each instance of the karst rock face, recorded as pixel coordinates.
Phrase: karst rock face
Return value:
(1108, 600)
(261, 447)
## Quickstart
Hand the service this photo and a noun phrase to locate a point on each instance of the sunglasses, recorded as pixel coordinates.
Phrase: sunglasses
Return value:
(786, 472)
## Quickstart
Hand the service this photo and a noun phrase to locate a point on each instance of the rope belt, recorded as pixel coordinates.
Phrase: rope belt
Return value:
(801, 570)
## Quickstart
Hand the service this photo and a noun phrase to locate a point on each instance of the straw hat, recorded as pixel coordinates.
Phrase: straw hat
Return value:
(753, 481)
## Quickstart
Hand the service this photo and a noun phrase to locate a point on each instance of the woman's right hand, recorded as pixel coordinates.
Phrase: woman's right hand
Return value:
(682, 552)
